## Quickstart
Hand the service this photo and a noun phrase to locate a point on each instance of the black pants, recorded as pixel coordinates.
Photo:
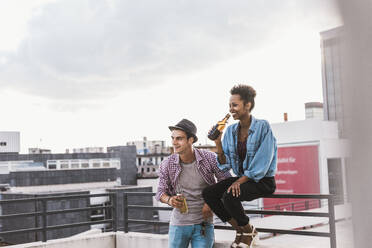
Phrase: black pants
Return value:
(227, 206)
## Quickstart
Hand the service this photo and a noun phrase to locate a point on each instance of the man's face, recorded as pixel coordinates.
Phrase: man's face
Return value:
(180, 142)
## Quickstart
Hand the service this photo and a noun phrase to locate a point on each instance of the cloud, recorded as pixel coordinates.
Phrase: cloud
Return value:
(79, 50)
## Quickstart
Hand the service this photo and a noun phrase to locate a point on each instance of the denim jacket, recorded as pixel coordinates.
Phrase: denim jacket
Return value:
(261, 157)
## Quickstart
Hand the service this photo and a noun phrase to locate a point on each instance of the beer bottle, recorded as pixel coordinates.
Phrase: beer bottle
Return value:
(217, 129)
(180, 197)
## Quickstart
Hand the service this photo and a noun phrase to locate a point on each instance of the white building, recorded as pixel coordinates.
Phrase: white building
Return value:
(314, 110)
(311, 158)
(150, 153)
(9, 142)
(149, 146)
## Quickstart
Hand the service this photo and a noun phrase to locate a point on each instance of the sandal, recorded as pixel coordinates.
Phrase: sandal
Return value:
(251, 242)
(236, 241)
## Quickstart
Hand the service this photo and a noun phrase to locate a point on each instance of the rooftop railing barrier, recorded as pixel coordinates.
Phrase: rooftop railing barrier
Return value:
(43, 227)
(330, 214)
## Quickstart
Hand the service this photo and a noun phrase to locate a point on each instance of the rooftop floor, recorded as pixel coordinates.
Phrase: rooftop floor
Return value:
(129, 240)
(344, 238)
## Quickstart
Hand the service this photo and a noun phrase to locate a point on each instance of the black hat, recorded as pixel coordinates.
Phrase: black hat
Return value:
(186, 126)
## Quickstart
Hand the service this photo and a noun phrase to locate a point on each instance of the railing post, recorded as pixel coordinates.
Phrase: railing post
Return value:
(36, 218)
(113, 211)
(44, 216)
(125, 207)
(332, 224)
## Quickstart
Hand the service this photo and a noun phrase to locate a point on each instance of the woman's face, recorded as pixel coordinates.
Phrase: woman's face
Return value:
(237, 107)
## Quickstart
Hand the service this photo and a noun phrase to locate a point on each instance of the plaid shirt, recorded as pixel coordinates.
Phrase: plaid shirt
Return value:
(170, 170)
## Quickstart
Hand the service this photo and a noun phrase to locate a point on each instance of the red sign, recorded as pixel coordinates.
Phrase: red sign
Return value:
(297, 173)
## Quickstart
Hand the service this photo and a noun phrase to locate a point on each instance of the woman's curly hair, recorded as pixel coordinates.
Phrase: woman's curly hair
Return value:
(246, 93)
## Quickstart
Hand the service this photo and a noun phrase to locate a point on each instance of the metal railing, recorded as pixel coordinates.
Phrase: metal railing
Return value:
(330, 215)
(44, 227)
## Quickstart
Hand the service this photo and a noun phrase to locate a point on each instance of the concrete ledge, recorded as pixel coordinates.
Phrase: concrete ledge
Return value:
(133, 239)
(106, 240)
(88, 233)
(109, 240)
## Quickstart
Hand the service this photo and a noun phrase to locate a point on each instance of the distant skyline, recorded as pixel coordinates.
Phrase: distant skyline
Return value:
(82, 73)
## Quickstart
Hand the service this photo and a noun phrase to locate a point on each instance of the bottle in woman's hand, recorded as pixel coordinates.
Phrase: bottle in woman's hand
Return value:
(217, 129)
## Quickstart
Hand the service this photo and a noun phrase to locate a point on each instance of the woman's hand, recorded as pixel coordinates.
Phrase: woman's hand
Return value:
(235, 189)
(219, 139)
(207, 212)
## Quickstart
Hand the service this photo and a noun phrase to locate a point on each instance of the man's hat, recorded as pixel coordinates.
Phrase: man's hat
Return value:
(186, 126)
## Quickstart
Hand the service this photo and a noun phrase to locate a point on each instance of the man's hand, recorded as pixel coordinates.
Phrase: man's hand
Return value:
(235, 189)
(207, 212)
(176, 201)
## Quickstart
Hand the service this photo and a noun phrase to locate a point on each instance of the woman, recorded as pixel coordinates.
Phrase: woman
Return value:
(249, 149)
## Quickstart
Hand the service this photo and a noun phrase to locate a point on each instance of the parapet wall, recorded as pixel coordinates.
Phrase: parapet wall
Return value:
(108, 240)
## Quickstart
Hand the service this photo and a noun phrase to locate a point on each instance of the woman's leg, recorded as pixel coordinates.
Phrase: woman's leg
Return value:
(248, 192)
(213, 194)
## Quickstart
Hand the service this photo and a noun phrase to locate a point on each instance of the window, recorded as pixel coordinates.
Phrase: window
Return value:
(52, 166)
(84, 165)
(148, 169)
(96, 165)
(64, 166)
(106, 164)
(74, 166)
(116, 164)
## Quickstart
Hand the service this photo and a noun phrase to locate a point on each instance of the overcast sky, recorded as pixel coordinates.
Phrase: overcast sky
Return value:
(78, 73)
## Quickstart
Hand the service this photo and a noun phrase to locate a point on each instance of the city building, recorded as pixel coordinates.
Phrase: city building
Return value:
(311, 159)
(331, 55)
(39, 151)
(149, 146)
(86, 171)
(45, 169)
(88, 150)
(314, 110)
(9, 142)
(149, 156)
(41, 167)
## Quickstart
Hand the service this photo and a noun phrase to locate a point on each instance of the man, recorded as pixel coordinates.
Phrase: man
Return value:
(188, 171)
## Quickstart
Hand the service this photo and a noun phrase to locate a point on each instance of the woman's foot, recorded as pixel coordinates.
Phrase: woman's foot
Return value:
(237, 240)
(248, 236)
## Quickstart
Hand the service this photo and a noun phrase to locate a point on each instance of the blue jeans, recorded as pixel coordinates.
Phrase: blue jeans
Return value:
(181, 236)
